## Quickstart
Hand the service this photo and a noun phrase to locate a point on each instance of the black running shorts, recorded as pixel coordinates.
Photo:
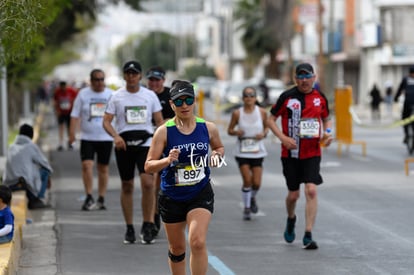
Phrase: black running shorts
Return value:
(127, 160)
(256, 162)
(297, 171)
(102, 149)
(173, 211)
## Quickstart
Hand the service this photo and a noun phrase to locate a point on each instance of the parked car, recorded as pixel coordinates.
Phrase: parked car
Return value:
(234, 92)
(205, 83)
(276, 87)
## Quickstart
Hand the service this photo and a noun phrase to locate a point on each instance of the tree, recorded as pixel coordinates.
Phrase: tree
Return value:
(266, 25)
(21, 26)
(192, 72)
(157, 48)
(35, 34)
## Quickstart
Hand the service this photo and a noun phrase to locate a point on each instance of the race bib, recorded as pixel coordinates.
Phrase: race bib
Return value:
(188, 176)
(97, 109)
(136, 114)
(249, 145)
(64, 104)
(309, 128)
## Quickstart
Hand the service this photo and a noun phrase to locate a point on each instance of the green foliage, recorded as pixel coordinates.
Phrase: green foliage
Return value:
(21, 25)
(192, 72)
(157, 48)
(265, 24)
(249, 16)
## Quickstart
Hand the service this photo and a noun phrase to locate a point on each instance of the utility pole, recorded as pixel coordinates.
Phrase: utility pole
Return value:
(321, 70)
(4, 134)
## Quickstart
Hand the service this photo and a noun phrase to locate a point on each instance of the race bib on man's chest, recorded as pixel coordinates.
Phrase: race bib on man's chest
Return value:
(309, 128)
(136, 114)
(97, 109)
(249, 145)
(64, 104)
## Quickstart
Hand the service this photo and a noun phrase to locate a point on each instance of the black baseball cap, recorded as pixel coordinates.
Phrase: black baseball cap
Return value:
(156, 72)
(132, 66)
(304, 67)
(180, 88)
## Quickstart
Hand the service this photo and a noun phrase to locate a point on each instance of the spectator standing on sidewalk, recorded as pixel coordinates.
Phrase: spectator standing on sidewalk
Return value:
(156, 78)
(249, 124)
(305, 122)
(134, 107)
(180, 149)
(63, 99)
(6, 215)
(388, 96)
(27, 168)
(87, 115)
(376, 100)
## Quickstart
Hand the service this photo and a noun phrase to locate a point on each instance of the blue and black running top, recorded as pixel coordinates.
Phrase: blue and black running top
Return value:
(185, 179)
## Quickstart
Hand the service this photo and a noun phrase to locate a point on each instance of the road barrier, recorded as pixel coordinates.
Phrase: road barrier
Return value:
(344, 135)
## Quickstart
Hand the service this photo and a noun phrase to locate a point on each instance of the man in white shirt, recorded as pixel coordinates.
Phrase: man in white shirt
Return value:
(88, 110)
(134, 107)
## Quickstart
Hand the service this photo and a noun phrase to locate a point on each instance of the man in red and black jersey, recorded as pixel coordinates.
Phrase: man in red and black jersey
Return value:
(305, 124)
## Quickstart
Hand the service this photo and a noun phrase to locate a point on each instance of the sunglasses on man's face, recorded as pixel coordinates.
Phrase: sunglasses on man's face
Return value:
(131, 72)
(98, 79)
(249, 95)
(304, 76)
(180, 101)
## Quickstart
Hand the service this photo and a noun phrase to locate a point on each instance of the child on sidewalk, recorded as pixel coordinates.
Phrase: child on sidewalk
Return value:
(6, 215)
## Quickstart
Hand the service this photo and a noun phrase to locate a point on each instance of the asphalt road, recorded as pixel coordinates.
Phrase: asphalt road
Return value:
(364, 225)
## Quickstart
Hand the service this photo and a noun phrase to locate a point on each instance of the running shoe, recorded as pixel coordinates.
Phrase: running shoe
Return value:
(88, 203)
(289, 234)
(147, 236)
(157, 225)
(130, 236)
(253, 206)
(246, 214)
(98, 206)
(308, 243)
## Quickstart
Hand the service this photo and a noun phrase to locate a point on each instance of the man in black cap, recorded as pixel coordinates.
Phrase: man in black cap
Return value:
(156, 78)
(406, 86)
(305, 122)
(27, 168)
(134, 107)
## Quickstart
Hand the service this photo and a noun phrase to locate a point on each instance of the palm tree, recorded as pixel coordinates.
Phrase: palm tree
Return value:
(266, 26)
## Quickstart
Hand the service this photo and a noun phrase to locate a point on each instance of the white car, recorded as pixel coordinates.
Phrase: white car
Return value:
(276, 87)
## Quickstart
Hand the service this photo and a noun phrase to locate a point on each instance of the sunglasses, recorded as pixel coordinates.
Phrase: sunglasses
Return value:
(98, 79)
(154, 79)
(131, 72)
(179, 102)
(304, 76)
(155, 73)
(249, 95)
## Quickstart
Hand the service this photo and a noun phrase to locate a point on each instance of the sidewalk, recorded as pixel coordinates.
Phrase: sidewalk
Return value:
(10, 253)
(39, 237)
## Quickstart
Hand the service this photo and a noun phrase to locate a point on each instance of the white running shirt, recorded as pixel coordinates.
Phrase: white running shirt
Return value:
(90, 107)
(133, 111)
(251, 124)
